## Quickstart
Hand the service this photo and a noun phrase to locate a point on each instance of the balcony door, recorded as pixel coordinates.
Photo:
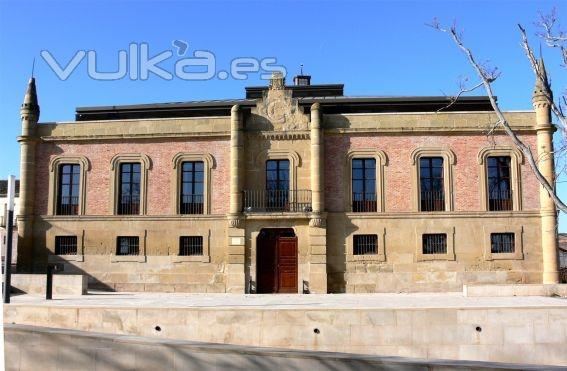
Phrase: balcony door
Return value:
(277, 185)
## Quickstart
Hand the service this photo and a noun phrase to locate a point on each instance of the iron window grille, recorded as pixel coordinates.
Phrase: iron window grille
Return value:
(65, 245)
(129, 195)
(128, 245)
(365, 244)
(364, 185)
(190, 245)
(434, 243)
(499, 183)
(432, 195)
(192, 187)
(68, 192)
(502, 243)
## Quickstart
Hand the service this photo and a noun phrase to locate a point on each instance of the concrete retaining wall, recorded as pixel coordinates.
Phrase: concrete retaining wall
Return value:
(535, 335)
(514, 290)
(63, 284)
(34, 348)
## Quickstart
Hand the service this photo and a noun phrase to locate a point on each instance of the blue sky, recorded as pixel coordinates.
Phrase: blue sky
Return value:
(373, 47)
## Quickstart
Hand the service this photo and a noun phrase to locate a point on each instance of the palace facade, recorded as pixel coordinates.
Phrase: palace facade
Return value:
(293, 189)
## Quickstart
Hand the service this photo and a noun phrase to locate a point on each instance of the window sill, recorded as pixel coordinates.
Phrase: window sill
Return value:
(366, 258)
(128, 258)
(434, 257)
(52, 258)
(192, 258)
(504, 256)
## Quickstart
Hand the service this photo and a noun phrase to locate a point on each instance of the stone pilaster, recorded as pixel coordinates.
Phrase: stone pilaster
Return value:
(29, 115)
(541, 97)
(317, 230)
(236, 281)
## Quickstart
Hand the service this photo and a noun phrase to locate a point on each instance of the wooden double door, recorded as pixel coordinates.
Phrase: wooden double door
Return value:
(276, 261)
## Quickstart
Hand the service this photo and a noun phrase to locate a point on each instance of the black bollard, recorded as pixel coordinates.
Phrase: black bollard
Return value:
(49, 286)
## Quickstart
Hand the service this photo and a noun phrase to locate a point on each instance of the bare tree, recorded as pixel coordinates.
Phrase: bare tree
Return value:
(553, 37)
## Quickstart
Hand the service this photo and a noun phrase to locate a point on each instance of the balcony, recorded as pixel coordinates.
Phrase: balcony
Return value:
(432, 201)
(68, 205)
(364, 203)
(500, 200)
(272, 201)
(191, 204)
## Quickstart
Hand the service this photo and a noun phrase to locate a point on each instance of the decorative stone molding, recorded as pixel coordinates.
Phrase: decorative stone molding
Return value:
(518, 253)
(449, 160)
(317, 220)
(293, 135)
(516, 160)
(54, 166)
(208, 164)
(380, 256)
(79, 257)
(235, 221)
(140, 258)
(431, 229)
(280, 154)
(205, 258)
(381, 161)
(145, 166)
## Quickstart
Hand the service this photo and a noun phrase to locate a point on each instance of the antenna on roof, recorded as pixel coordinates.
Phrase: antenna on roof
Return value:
(33, 67)
(301, 69)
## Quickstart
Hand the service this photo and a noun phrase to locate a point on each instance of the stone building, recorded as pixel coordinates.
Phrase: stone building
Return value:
(295, 188)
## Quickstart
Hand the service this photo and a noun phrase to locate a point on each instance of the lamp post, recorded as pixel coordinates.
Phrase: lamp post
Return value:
(9, 238)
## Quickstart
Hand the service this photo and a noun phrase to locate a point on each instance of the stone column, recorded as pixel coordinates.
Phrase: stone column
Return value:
(29, 115)
(545, 131)
(317, 230)
(236, 279)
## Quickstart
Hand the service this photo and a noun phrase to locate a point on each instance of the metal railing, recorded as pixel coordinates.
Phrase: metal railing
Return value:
(365, 244)
(434, 243)
(129, 205)
(68, 205)
(127, 246)
(500, 200)
(364, 202)
(191, 204)
(275, 200)
(432, 201)
(502, 243)
(65, 245)
(190, 245)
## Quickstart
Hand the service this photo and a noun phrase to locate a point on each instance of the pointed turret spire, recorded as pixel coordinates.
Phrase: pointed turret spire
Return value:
(542, 91)
(30, 99)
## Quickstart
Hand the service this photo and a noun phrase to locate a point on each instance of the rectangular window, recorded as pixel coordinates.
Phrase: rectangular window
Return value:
(499, 180)
(190, 245)
(68, 189)
(128, 245)
(129, 183)
(65, 245)
(432, 196)
(192, 187)
(502, 243)
(364, 185)
(365, 244)
(277, 185)
(434, 243)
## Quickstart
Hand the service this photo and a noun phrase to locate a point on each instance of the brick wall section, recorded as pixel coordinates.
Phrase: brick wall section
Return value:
(159, 177)
(466, 182)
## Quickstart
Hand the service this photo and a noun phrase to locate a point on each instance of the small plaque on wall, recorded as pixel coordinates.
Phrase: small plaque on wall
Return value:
(236, 241)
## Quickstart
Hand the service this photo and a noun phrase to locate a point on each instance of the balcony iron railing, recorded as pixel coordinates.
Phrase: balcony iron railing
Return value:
(276, 200)
(364, 203)
(432, 201)
(500, 200)
(68, 205)
(191, 204)
(129, 205)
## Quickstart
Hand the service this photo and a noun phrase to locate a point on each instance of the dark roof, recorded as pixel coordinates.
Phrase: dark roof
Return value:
(329, 96)
(4, 188)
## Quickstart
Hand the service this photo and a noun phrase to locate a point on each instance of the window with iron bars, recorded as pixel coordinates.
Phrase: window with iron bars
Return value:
(128, 245)
(192, 187)
(364, 185)
(365, 244)
(502, 243)
(435, 243)
(190, 245)
(129, 192)
(65, 245)
(499, 183)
